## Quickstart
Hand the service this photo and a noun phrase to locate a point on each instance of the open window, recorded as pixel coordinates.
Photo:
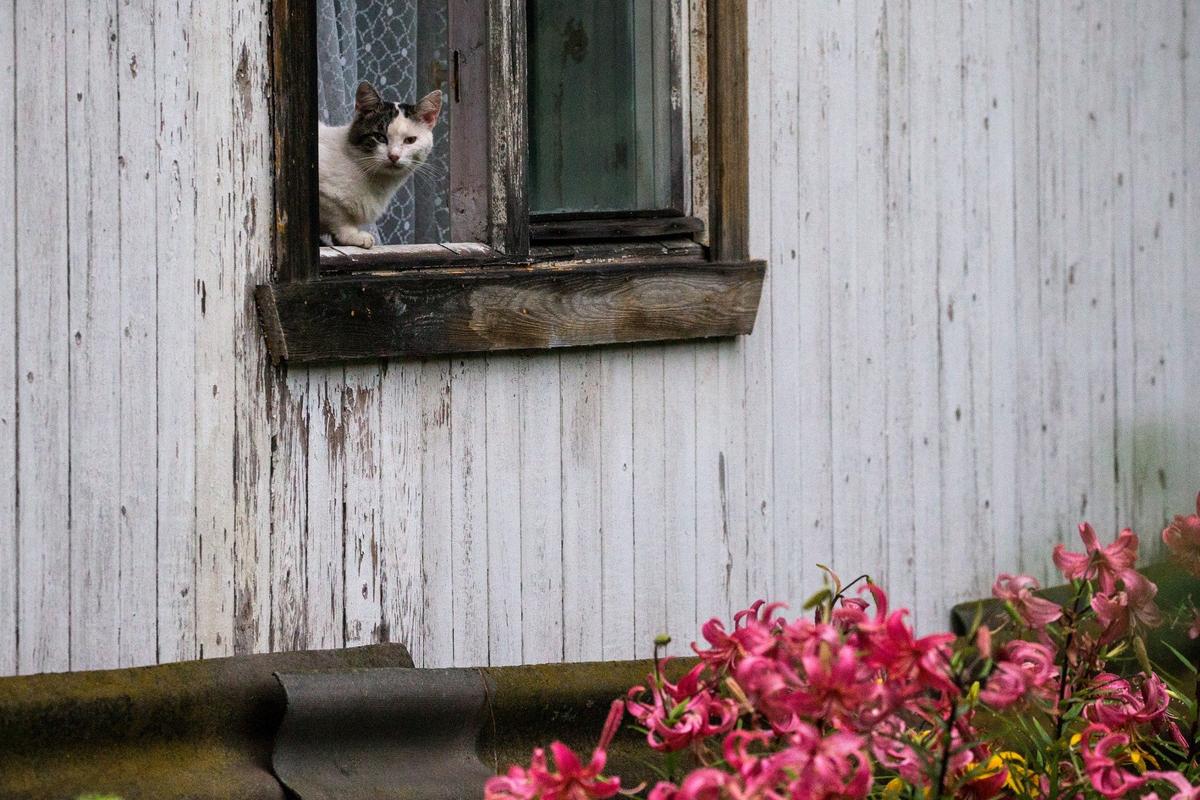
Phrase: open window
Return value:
(587, 183)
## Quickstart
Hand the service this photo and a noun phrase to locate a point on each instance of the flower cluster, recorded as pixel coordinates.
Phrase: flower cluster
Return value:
(1050, 699)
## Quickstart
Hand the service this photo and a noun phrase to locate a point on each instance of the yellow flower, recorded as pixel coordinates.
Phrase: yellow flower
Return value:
(893, 789)
(1020, 778)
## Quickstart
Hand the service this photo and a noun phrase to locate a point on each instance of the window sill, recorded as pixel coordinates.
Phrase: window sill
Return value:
(443, 310)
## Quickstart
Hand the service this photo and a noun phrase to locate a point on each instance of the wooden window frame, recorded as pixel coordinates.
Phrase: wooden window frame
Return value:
(574, 287)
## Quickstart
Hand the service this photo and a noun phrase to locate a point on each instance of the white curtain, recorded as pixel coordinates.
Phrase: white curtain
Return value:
(400, 46)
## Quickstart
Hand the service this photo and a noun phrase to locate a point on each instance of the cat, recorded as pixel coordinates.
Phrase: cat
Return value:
(361, 165)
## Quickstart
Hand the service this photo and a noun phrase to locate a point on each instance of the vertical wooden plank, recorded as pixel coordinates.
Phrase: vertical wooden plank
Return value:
(762, 564)
(175, 222)
(649, 501)
(253, 181)
(616, 492)
(1057, 520)
(1005, 353)
(508, 227)
(697, 71)
(1192, 220)
(541, 510)
(324, 557)
(679, 518)
(212, 94)
(1095, 308)
(504, 511)
(899, 397)
(849, 552)
(1030, 488)
(960, 491)
(294, 99)
(1155, 74)
(1181, 478)
(401, 585)
(926, 316)
(728, 142)
(731, 484)
(1191, 216)
(137, 524)
(582, 504)
(1120, 188)
(970, 328)
(362, 515)
(437, 526)
(780, 225)
(814, 529)
(870, 138)
(720, 481)
(468, 511)
(1079, 272)
(42, 340)
(288, 562)
(95, 315)
(8, 344)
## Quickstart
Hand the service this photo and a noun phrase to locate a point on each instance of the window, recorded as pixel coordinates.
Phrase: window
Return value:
(587, 183)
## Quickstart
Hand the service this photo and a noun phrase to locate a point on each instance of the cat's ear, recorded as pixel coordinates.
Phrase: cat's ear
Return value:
(429, 108)
(366, 98)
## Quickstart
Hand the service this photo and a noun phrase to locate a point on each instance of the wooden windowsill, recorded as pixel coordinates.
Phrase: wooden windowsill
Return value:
(428, 311)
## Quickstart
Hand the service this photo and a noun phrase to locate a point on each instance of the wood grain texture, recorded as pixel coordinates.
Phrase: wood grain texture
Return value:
(137, 483)
(508, 201)
(8, 346)
(175, 223)
(215, 310)
(293, 107)
(96, 340)
(424, 312)
(254, 382)
(43, 354)
(729, 139)
(962, 182)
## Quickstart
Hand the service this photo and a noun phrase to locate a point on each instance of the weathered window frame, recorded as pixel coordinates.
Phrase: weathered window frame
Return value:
(502, 294)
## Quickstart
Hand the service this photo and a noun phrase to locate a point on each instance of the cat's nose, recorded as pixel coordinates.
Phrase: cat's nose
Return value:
(394, 157)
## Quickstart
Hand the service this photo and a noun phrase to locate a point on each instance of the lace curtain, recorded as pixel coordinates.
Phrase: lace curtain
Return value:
(400, 46)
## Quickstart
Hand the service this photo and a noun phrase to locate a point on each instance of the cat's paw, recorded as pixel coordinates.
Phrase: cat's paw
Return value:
(353, 237)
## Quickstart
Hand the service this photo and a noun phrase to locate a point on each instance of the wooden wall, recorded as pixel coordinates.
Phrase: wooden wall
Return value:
(980, 326)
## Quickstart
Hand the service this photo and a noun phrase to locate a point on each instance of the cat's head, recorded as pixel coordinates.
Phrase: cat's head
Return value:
(395, 136)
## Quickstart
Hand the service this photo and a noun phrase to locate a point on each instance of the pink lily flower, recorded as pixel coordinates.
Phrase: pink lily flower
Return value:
(1025, 668)
(669, 729)
(1117, 611)
(753, 634)
(1103, 564)
(1120, 705)
(1106, 776)
(1036, 612)
(706, 783)
(1182, 537)
(1186, 791)
(572, 781)
(923, 661)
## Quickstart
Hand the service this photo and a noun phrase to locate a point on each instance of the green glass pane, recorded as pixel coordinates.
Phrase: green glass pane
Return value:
(600, 105)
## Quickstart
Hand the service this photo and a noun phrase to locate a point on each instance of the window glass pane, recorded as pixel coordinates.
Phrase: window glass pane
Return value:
(401, 48)
(600, 99)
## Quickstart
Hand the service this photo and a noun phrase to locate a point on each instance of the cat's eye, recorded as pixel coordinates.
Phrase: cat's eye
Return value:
(410, 140)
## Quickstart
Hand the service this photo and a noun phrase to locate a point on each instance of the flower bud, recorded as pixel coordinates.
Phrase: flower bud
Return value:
(1139, 649)
(983, 640)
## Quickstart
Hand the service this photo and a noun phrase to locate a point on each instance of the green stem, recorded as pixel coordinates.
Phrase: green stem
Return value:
(1059, 721)
(951, 718)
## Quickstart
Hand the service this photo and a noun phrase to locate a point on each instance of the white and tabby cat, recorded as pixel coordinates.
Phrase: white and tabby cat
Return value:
(361, 165)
